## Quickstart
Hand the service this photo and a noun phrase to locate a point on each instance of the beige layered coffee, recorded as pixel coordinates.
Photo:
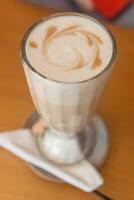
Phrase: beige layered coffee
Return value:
(67, 54)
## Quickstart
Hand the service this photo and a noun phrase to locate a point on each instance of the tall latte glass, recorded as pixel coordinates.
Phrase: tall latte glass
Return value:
(67, 58)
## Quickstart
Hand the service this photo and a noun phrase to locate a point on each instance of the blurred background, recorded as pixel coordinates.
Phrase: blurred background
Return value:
(115, 11)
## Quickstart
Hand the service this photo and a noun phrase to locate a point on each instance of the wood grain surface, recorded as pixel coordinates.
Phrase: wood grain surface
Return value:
(17, 181)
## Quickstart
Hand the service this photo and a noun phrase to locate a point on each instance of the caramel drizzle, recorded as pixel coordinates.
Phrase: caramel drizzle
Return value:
(33, 44)
(68, 29)
(91, 38)
(51, 30)
(81, 62)
(97, 60)
(91, 35)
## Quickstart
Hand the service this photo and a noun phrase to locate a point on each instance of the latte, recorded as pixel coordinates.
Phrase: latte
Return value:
(69, 48)
(67, 58)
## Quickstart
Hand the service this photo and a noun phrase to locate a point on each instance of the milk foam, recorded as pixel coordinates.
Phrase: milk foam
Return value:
(69, 48)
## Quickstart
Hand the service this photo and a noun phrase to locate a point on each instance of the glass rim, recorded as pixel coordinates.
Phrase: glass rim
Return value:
(25, 60)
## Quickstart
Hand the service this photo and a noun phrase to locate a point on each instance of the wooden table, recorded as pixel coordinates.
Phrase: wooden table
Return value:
(17, 181)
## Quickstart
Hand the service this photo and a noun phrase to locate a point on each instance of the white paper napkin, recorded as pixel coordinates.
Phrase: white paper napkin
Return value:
(81, 175)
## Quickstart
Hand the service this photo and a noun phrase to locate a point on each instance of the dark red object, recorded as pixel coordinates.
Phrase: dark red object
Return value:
(110, 8)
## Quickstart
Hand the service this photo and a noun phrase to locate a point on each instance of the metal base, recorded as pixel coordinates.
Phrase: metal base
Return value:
(96, 156)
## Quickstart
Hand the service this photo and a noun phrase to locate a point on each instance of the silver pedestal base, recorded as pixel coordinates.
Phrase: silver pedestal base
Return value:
(97, 154)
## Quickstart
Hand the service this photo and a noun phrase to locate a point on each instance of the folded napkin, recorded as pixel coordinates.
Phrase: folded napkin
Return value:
(22, 143)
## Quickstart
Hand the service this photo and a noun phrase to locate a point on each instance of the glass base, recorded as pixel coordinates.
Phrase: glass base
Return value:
(67, 150)
(96, 141)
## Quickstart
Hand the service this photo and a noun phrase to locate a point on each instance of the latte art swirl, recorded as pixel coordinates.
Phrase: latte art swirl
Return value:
(71, 48)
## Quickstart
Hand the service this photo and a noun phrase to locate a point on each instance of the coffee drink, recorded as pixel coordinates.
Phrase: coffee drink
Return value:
(67, 59)
(69, 48)
(67, 55)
